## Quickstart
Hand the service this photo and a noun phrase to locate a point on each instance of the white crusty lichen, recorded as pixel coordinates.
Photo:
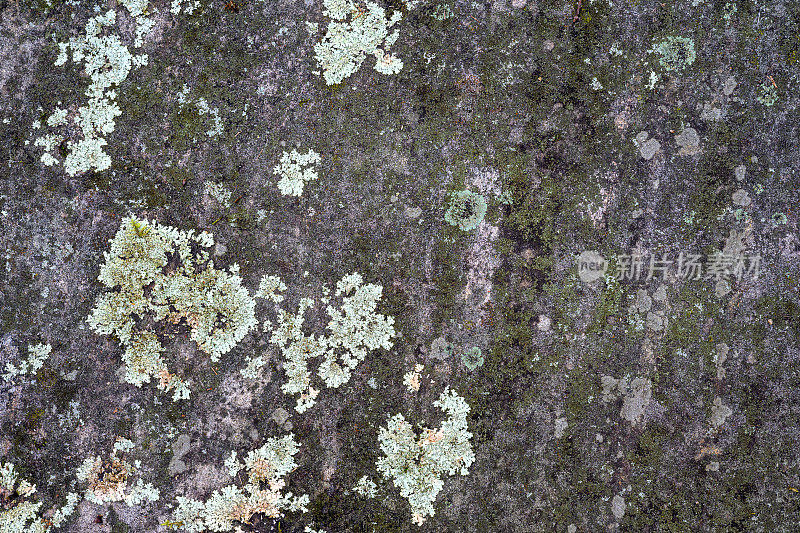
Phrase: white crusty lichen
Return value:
(187, 6)
(108, 480)
(366, 487)
(61, 514)
(19, 514)
(144, 24)
(355, 31)
(219, 193)
(203, 108)
(269, 288)
(37, 354)
(107, 61)
(252, 369)
(266, 469)
(354, 330)
(412, 379)
(416, 462)
(214, 305)
(675, 53)
(297, 349)
(636, 395)
(295, 169)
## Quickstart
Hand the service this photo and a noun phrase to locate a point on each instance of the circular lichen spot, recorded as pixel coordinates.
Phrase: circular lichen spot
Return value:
(441, 349)
(472, 358)
(676, 53)
(466, 210)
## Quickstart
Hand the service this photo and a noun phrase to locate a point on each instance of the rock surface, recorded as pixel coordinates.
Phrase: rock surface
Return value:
(600, 406)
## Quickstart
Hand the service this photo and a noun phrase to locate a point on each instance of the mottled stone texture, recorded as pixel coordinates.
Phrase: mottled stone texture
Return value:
(499, 99)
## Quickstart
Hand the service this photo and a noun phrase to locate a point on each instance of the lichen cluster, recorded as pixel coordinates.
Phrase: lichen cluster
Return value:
(472, 358)
(354, 329)
(354, 32)
(675, 53)
(37, 354)
(19, 513)
(167, 275)
(107, 61)
(466, 210)
(108, 480)
(416, 461)
(295, 170)
(266, 469)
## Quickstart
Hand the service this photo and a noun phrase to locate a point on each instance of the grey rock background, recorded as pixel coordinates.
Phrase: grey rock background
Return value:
(499, 99)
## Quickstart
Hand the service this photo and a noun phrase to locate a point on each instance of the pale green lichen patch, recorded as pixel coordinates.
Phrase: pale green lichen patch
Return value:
(355, 31)
(203, 108)
(36, 357)
(354, 329)
(263, 494)
(270, 287)
(416, 462)
(108, 480)
(295, 170)
(366, 487)
(107, 62)
(16, 516)
(472, 358)
(466, 210)
(211, 302)
(675, 53)
(19, 513)
(767, 94)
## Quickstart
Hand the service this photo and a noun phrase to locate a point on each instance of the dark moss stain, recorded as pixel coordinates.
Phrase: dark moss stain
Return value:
(117, 525)
(709, 195)
(63, 392)
(334, 510)
(46, 377)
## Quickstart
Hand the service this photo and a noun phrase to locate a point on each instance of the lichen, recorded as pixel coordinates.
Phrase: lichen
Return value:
(353, 33)
(213, 303)
(767, 94)
(472, 358)
(354, 329)
(108, 480)
(466, 210)
(266, 469)
(107, 62)
(37, 354)
(415, 463)
(295, 170)
(676, 53)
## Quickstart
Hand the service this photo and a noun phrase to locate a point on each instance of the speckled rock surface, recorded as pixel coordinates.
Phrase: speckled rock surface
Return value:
(600, 406)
